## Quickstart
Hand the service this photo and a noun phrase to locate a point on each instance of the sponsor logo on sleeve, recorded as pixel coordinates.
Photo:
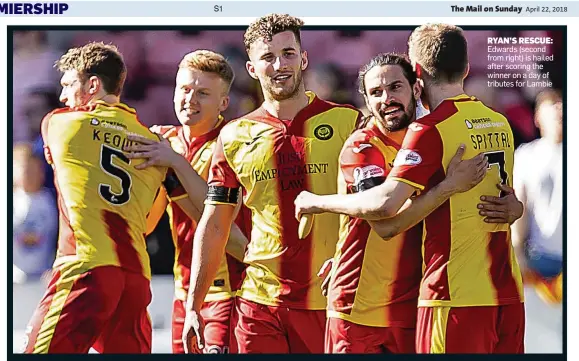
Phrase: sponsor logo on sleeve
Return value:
(407, 157)
(369, 171)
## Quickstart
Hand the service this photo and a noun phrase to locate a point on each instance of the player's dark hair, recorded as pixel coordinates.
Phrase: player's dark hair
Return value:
(381, 60)
(269, 25)
(441, 50)
(97, 59)
(386, 59)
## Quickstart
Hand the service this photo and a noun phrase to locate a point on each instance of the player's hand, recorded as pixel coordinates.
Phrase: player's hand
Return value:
(193, 340)
(305, 203)
(156, 153)
(505, 209)
(462, 175)
(325, 273)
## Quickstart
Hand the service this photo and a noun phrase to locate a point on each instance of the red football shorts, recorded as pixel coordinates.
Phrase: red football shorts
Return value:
(270, 329)
(347, 337)
(104, 308)
(218, 317)
(483, 329)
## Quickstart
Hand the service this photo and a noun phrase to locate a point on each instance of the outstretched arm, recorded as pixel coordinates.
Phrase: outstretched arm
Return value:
(462, 175)
(418, 159)
(382, 201)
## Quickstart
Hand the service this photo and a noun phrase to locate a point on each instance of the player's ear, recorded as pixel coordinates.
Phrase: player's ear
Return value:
(224, 103)
(305, 61)
(250, 69)
(417, 90)
(94, 85)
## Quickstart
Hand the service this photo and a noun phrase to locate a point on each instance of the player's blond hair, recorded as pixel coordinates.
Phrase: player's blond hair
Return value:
(210, 62)
(269, 25)
(441, 50)
(96, 59)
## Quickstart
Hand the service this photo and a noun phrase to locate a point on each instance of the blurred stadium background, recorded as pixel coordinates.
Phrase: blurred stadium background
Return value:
(152, 58)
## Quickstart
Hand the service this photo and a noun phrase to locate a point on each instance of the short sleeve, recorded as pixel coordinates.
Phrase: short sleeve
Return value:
(223, 186)
(419, 157)
(362, 164)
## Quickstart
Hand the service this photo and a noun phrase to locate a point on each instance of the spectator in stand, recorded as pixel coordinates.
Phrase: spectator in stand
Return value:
(538, 234)
(34, 218)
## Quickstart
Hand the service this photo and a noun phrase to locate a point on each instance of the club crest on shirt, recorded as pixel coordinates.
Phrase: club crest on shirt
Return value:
(369, 171)
(323, 132)
(407, 157)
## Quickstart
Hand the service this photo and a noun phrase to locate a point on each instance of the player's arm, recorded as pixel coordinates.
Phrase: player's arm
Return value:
(382, 201)
(209, 241)
(214, 227)
(208, 249)
(184, 186)
(44, 123)
(193, 205)
(156, 212)
(462, 175)
(236, 242)
(182, 182)
(419, 158)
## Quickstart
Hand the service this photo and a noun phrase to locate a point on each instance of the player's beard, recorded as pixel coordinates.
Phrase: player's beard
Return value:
(285, 92)
(400, 122)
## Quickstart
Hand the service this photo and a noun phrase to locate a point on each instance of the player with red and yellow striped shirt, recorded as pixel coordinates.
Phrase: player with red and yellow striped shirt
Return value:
(471, 276)
(100, 287)
(373, 292)
(201, 93)
(290, 143)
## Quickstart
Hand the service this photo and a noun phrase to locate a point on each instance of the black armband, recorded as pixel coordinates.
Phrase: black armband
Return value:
(367, 183)
(171, 182)
(223, 194)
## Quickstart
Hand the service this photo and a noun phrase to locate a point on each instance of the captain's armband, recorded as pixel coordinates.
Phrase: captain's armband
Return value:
(222, 195)
(368, 183)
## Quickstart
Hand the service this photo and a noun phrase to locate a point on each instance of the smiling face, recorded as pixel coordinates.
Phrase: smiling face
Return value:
(199, 97)
(390, 97)
(278, 65)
